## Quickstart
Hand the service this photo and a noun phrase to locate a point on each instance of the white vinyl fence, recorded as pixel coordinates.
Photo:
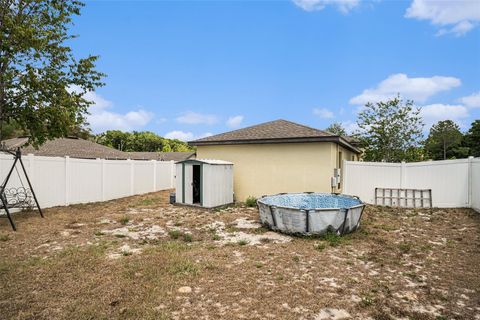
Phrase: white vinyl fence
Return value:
(63, 181)
(454, 183)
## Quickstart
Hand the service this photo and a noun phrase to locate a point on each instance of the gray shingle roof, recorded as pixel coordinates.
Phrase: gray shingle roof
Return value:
(80, 148)
(72, 147)
(278, 131)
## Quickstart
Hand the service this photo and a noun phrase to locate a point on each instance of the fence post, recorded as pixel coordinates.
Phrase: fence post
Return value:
(67, 180)
(102, 176)
(470, 182)
(172, 174)
(154, 162)
(31, 172)
(344, 177)
(402, 175)
(132, 176)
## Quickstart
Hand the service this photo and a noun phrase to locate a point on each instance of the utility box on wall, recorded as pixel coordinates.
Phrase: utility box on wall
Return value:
(204, 182)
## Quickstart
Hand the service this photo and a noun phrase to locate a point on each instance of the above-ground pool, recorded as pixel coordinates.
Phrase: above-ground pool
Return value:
(311, 213)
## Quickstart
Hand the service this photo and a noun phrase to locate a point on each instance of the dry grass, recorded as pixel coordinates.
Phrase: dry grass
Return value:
(129, 258)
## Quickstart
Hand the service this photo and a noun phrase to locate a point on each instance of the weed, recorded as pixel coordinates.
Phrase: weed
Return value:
(243, 242)
(184, 268)
(260, 230)
(251, 201)
(320, 246)
(258, 264)
(216, 237)
(174, 234)
(332, 238)
(99, 233)
(296, 258)
(126, 253)
(147, 202)
(4, 237)
(119, 235)
(177, 224)
(124, 220)
(405, 247)
(187, 237)
(366, 301)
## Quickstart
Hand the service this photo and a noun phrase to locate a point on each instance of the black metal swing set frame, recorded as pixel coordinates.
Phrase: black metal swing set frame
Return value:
(21, 197)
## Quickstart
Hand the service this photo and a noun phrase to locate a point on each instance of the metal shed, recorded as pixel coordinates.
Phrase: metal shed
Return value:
(204, 182)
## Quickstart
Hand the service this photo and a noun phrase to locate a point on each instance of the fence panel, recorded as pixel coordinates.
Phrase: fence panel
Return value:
(61, 181)
(81, 173)
(454, 183)
(475, 184)
(361, 178)
(143, 176)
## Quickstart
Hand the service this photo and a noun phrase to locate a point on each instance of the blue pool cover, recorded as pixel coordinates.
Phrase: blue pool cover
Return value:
(308, 201)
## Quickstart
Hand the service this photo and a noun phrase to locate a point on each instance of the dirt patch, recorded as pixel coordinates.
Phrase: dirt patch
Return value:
(141, 258)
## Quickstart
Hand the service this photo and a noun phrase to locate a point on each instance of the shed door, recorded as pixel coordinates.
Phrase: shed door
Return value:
(188, 183)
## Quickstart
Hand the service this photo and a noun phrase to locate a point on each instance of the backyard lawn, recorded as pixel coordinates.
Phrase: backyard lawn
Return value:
(141, 258)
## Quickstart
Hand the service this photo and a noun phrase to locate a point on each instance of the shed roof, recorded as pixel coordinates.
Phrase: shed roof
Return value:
(161, 156)
(208, 161)
(278, 131)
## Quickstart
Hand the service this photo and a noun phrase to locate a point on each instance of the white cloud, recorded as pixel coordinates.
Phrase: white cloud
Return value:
(323, 113)
(471, 101)
(180, 135)
(350, 126)
(185, 136)
(315, 5)
(234, 122)
(101, 119)
(417, 89)
(438, 112)
(105, 120)
(455, 16)
(197, 118)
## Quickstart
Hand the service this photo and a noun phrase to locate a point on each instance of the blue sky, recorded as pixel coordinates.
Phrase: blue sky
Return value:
(187, 69)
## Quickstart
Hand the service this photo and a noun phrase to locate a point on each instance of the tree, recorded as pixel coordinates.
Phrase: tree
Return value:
(390, 131)
(337, 129)
(472, 139)
(114, 139)
(42, 83)
(145, 141)
(444, 141)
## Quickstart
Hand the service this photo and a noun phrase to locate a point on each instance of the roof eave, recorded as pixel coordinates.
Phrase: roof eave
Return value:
(335, 139)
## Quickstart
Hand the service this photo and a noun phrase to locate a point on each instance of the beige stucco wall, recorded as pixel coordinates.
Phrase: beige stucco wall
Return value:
(261, 169)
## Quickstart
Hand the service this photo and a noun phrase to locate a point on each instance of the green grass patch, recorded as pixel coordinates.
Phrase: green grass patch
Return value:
(251, 201)
(187, 237)
(123, 220)
(243, 242)
(4, 237)
(174, 234)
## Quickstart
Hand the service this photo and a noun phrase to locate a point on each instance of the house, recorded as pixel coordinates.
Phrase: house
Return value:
(86, 149)
(279, 156)
(61, 147)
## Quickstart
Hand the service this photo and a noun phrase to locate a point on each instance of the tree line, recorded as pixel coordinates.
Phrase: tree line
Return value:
(392, 131)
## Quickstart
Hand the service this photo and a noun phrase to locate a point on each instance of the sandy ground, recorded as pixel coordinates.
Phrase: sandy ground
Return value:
(141, 258)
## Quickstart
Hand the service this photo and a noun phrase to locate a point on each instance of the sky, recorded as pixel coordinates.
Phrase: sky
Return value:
(189, 69)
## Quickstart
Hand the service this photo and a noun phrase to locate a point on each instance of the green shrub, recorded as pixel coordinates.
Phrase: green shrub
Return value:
(187, 237)
(174, 234)
(124, 220)
(243, 242)
(251, 201)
